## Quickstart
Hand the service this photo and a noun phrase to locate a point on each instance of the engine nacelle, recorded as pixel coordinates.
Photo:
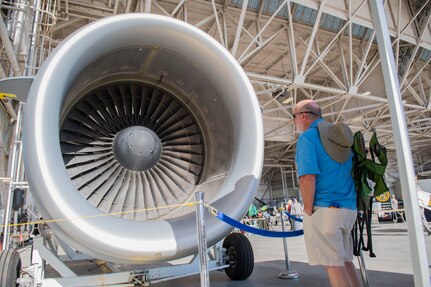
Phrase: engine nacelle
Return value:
(126, 119)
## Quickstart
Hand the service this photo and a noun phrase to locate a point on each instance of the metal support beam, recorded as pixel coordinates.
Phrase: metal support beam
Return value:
(65, 24)
(239, 27)
(402, 144)
(174, 12)
(256, 38)
(291, 40)
(365, 96)
(247, 58)
(312, 37)
(9, 48)
(147, 6)
(218, 23)
(52, 259)
(336, 37)
(13, 175)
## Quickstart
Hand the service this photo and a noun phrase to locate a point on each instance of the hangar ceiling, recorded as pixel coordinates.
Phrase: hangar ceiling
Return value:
(291, 50)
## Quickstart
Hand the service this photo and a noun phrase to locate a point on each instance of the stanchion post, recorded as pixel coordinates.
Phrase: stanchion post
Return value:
(288, 274)
(363, 270)
(202, 242)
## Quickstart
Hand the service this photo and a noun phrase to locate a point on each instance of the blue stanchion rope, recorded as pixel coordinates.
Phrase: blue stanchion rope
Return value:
(293, 217)
(266, 233)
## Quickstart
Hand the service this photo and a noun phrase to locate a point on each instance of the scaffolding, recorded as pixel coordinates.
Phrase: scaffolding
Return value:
(26, 34)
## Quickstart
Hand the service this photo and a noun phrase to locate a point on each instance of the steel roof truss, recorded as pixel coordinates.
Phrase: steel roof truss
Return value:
(329, 45)
(239, 28)
(426, 65)
(247, 58)
(324, 66)
(255, 40)
(413, 55)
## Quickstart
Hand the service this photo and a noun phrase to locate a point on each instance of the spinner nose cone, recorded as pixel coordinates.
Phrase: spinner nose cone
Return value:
(137, 148)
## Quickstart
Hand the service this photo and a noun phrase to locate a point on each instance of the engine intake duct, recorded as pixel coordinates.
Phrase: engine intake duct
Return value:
(129, 117)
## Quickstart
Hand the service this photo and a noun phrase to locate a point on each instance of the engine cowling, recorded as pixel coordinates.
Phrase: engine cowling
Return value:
(126, 119)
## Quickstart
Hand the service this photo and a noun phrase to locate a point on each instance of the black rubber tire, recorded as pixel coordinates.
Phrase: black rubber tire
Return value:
(10, 267)
(239, 254)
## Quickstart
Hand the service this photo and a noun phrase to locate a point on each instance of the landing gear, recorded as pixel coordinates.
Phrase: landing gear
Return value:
(10, 267)
(239, 256)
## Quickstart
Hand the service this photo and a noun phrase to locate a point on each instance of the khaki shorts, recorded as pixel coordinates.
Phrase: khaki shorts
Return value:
(328, 238)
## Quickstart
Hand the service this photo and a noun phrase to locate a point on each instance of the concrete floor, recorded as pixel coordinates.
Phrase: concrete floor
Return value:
(392, 267)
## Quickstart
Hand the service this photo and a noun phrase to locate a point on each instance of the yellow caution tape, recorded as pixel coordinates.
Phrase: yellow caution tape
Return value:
(192, 203)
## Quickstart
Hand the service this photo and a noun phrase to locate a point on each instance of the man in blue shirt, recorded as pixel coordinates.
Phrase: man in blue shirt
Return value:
(324, 165)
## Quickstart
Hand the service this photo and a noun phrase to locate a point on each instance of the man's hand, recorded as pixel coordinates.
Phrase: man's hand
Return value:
(309, 211)
(307, 186)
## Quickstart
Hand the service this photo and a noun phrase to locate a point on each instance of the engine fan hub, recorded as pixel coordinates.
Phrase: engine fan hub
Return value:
(137, 148)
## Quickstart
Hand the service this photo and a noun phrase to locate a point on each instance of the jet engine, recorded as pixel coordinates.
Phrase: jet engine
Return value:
(126, 120)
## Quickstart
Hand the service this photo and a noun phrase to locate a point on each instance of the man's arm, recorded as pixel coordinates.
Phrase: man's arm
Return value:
(307, 186)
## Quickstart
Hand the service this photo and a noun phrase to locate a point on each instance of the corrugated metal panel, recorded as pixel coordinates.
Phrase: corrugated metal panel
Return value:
(270, 6)
(252, 4)
(236, 2)
(358, 31)
(425, 55)
(306, 15)
(368, 33)
(331, 23)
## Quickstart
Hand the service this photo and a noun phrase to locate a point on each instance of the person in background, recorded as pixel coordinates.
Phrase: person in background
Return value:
(297, 211)
(296, 208)
(324, 166)
(394, 206)
(259, 214)
(288, 209)
(252, 211)
(289, 205)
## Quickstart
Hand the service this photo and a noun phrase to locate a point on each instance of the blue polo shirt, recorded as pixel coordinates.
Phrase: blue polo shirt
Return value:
(334, 181)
